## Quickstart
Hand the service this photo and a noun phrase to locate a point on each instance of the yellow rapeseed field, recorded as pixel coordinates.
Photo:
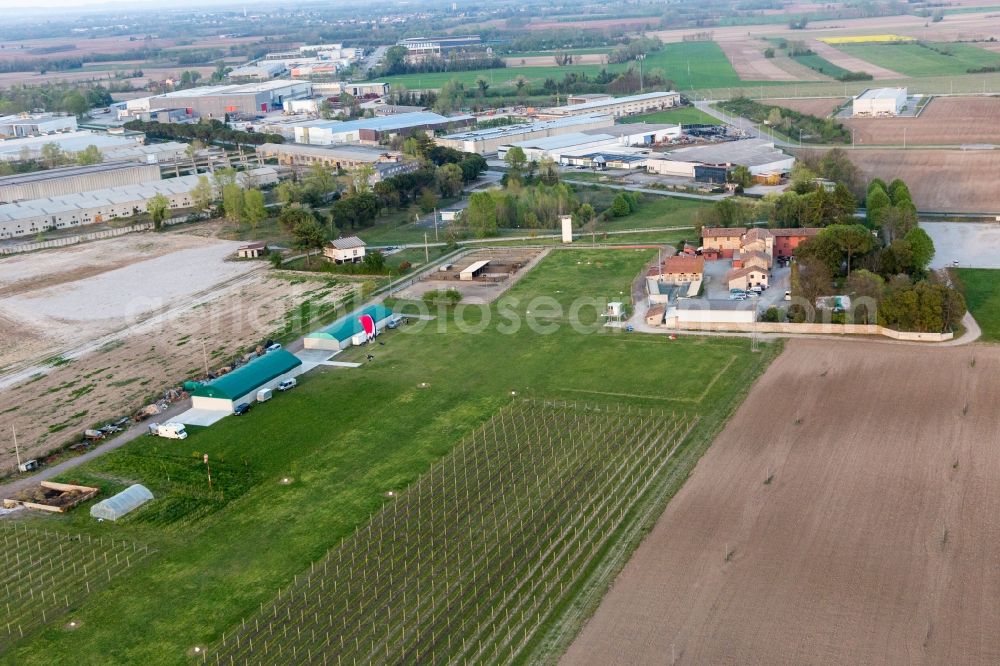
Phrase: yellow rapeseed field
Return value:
(861, 39)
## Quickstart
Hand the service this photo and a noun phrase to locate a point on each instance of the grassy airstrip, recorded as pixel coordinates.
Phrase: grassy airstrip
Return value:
(305, 470)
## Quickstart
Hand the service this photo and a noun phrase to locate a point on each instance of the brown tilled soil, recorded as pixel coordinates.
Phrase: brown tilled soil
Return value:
(940, 180)
(749, 62)
(848, 514)
(850, 63)
(820, 107)
(945, 121)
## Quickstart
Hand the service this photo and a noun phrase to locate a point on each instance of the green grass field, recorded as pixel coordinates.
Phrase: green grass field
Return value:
(685, 115)
(982, 296)
(821, 65)
(688, 64)
(345, 437)
(915, 60)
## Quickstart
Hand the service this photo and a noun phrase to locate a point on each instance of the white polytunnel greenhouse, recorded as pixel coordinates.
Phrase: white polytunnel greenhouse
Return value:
(127, 500)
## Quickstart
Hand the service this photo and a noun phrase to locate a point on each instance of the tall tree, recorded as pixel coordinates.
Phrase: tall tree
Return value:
(481, 215)
(232, 201)
(157, 207)
(851, 239)
(89, 155)
(203, 194)
(449, 180)
(254, 211)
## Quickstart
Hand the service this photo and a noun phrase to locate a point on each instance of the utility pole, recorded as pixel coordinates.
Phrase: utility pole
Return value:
(436, 223)
(204, 353)
(17, 451)
(427, 251)
(640, 58)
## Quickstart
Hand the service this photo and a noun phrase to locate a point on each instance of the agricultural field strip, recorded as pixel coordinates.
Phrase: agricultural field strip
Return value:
(45, 573)
(568, 488)
(695, 400)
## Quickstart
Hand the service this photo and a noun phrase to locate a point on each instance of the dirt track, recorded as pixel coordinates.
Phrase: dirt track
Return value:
(874, 542)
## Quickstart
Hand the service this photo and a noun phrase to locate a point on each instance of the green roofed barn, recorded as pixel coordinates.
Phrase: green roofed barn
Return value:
(241, 385)
(348, 330)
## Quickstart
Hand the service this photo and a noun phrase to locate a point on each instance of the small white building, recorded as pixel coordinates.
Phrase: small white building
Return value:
(876, 102)
(349, 250)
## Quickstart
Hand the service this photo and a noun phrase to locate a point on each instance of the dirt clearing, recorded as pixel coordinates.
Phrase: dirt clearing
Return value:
(848, 514)
(946, 121)
(67, 296)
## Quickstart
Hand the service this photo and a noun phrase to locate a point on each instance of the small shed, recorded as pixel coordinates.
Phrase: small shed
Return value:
(348, 330)
(123, 503)
(242, 384)
(473, 270)
(252, 251)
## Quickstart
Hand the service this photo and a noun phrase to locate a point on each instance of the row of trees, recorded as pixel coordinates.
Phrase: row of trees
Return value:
(395, 62)
(207, 131)
(76, 99)
(884, 261)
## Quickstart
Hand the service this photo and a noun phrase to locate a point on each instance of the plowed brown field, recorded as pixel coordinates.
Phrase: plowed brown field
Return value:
(821, 107)
(962, 181)
(848, 514)
(945, 121)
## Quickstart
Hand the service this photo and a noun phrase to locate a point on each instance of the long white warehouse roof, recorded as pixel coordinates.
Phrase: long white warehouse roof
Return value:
(111, 195)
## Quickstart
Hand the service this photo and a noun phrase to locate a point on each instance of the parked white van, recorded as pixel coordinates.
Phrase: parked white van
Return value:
(168, 430)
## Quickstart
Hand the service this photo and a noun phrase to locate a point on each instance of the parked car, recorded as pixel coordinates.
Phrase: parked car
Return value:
(287, 384)
(241, 408)
(788, 295)
(264, 395)
(392, 323)
(757, 289)
(168, 430)
(741, 296)
(274, 347)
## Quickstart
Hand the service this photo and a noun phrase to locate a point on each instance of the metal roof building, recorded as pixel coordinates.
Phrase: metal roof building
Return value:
(372, 129)
(348, 330)
(490, 139)
(216, 101)
(72, 210)
(241, 385)
(73, 179)
(618, 106)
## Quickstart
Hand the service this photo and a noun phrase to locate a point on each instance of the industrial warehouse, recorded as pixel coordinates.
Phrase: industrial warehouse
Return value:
(219, 101)
(711, 163)
(618, 107)
(489, 140)
(386, 163)
(374, 130)
(111, 146)
(31, 217)
(73, 179)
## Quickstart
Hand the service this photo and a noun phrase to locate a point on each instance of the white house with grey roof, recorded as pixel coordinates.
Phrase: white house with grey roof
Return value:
(348, 250)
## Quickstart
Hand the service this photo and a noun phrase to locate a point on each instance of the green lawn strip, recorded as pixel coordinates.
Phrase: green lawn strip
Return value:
(821, 65)
(345, 437)
(919, 61)
(982, 296)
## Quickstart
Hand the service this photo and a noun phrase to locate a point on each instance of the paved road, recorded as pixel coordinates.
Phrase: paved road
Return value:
(650, 190)
(373, 59)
